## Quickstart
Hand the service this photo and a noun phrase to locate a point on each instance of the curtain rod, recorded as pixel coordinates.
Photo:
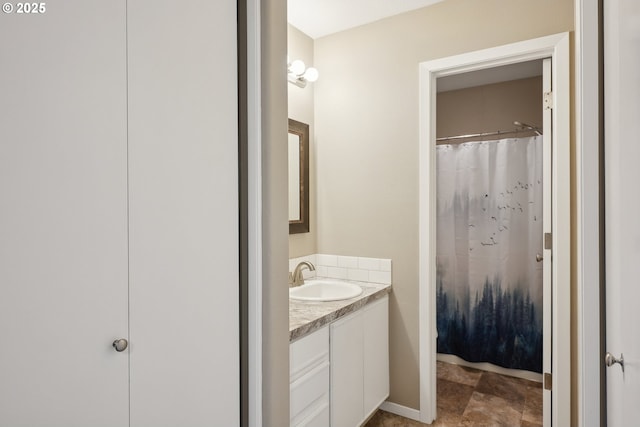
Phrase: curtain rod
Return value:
(524, 128)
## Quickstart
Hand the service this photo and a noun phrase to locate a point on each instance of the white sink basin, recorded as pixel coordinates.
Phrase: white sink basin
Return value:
(324, 290)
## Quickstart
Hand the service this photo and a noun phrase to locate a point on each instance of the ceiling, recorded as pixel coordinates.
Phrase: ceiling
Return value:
(318, 18)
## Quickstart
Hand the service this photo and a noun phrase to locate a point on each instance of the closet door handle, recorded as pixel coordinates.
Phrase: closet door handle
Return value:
(610, 360)
(120, 345)
(539, 258)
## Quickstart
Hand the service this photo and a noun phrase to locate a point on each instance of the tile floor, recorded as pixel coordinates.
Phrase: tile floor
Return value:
(474, 398)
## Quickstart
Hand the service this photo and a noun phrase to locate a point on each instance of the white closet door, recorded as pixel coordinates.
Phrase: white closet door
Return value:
(183, 213)
(63, 215)
(622, 228)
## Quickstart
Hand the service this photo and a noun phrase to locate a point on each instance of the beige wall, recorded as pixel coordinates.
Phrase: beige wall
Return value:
(366, 136)
(489, 108)
(275, 297)
(301, 108)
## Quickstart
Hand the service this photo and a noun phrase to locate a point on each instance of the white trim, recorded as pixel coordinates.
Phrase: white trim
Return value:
(587, 102)
(403, 411)
(561, 328)
(427, 329)
(255, 211)
(547, 223)
(554, 46)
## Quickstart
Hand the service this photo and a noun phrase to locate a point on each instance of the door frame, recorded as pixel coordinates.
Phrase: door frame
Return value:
(555, 47)
(591, 407)
(254, 228)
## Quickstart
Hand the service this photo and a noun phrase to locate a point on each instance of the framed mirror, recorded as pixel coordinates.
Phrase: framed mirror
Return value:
(298, 177)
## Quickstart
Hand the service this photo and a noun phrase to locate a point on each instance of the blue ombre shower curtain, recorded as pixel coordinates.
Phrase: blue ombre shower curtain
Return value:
(489, 230)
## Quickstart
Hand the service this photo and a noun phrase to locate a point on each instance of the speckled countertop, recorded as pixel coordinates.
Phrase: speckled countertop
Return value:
(306, 316)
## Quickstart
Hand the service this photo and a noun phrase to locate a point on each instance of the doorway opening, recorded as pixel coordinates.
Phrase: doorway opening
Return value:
(554, 149)
(489, 245)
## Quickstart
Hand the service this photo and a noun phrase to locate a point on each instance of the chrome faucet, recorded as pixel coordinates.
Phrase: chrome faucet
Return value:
(297, 279)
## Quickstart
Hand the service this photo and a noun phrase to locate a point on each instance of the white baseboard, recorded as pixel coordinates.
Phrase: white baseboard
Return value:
(403, 411)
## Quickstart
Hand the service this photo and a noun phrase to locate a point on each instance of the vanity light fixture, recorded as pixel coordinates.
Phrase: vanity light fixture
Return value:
(299, 74)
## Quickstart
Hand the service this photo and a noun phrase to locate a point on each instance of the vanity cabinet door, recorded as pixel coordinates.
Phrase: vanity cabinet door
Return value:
(376, 354)
(347, 371)
(359, 364)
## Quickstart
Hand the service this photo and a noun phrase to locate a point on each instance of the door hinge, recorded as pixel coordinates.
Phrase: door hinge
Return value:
(547, 381)
(548, 100)
(548, 242)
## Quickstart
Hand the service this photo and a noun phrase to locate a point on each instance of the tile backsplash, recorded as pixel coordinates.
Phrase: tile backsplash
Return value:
(360, 269)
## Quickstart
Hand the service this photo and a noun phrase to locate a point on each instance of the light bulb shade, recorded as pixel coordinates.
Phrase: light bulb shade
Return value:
(297, 67)
(311, 75)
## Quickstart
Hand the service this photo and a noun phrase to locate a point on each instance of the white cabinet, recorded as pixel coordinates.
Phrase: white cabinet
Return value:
(359, 364)
(339, 375)
(118, 207)
(376, 354)
(309, 380)
(347, 371)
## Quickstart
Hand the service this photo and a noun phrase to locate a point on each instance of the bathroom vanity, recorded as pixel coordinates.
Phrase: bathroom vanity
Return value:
(339, 358)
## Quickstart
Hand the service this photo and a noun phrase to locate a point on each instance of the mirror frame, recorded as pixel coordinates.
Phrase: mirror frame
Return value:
(302, 130)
